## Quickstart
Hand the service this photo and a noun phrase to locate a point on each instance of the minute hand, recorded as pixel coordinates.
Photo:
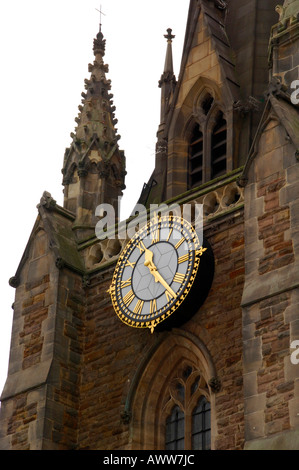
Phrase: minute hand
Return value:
(153, 270)
(159, 278)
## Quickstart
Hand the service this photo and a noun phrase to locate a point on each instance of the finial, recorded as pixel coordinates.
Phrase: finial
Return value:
(99, 43)
(169, 36)
(290, 9)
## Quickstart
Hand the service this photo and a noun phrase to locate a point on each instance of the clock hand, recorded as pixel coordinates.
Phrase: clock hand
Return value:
(159, 278)
(149, 258)
(153, 270)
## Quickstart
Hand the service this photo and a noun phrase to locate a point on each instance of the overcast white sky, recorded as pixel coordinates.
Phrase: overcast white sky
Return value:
(45, 51)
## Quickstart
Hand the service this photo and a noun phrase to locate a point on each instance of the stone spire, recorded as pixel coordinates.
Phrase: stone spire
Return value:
(94, 167)
(168, 67)
(167, 81)
(96, 118)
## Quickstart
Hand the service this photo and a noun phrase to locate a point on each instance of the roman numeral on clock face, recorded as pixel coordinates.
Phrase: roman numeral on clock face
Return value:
(180, 243)
(126, 283)
(183, 258)
(156, 235)
(179, 278)
(169, 235)
(129, 264)
(141, 247)
(153, 306)
(138, 307)
(129, 297)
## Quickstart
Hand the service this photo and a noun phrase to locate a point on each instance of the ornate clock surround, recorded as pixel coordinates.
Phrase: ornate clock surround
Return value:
(162, 276)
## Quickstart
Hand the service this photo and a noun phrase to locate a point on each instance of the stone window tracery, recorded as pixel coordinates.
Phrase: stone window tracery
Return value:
(207, 151)
(175, 373)
(187, 412)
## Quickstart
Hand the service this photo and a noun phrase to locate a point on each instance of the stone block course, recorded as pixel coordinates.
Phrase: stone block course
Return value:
(112, 351)
(272, 381)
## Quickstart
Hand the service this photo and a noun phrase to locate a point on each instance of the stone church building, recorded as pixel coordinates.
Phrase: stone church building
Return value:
(228, 138)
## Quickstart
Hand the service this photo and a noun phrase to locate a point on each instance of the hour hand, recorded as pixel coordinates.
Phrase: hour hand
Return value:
(149, 259)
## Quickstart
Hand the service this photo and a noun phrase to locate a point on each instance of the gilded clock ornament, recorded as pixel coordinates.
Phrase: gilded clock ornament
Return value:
(155, 272)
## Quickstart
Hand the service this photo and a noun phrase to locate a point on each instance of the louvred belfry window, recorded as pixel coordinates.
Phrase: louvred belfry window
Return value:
(218, 147)
(207, 145)
(196, 158)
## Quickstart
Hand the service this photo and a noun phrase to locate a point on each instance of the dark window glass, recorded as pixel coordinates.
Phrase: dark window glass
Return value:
(207, 104)
(201, 425)
(195, 385)
(187, 372)
(175, 430)
(180, 391)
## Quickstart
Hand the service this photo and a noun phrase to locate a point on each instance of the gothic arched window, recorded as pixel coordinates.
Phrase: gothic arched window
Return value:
(207, 143)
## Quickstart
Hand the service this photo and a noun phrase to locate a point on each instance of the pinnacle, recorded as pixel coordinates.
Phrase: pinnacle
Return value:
(99, 44)
(96, 113)
(94, 154)
(168, 74)
(289, 9)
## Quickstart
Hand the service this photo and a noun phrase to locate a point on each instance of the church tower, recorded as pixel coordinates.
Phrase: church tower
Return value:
(40, 399)
(89, 367)
(270, 295)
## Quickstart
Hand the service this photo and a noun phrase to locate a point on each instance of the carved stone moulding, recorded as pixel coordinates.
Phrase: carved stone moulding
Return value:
(104, 251)
(221, 200)
(215, 384)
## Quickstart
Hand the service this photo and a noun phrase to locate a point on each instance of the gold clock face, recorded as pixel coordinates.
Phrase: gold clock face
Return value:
(155, 272)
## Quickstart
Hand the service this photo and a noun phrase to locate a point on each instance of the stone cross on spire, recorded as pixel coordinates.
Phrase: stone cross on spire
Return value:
(169, 36)
(168, 68)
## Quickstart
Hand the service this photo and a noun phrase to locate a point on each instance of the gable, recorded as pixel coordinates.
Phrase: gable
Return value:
(278, 127)
(207, 55)
(52, 233)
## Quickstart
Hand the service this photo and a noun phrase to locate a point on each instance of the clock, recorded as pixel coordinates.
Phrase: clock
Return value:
(156, 272)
